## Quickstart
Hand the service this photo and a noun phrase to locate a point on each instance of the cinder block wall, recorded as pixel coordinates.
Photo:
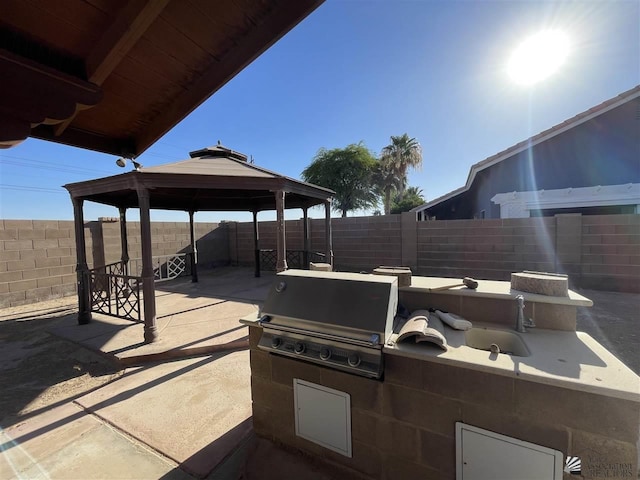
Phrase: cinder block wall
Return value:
(38, 257)
(404, 426)
(610, 252)
(599, 252)
(489, 249)
(359, 243)
(167, 238)
(37, 260)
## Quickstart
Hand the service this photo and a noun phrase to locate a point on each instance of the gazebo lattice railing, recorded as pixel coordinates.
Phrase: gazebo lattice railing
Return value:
(165, 267)
(295, 259)
(114, 292)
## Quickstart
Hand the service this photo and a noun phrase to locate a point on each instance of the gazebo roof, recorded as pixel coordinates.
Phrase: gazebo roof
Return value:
(213, 179)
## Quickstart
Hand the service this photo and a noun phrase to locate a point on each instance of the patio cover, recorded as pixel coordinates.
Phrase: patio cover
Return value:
(116, 75)
(213, 179)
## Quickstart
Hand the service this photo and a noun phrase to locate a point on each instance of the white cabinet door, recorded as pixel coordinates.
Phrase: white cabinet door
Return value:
(323, 415)
(485, 455)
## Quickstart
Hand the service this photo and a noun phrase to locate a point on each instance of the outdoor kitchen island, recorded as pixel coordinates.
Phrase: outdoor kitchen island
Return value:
(569, 404)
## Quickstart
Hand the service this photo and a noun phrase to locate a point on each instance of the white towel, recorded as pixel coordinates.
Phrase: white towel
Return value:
(453, 320)
(423, 326)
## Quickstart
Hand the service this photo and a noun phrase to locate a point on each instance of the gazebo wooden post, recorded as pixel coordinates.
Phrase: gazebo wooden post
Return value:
(148, 285)
(124, 247)
(305, 237)
(327, 232)
(281, 245)
(194, 249)
(82, 270)
(256, 243)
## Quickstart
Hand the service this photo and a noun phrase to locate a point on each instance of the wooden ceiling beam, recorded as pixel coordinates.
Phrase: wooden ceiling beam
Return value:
(134, 19)
(123, 147)
(132, 22)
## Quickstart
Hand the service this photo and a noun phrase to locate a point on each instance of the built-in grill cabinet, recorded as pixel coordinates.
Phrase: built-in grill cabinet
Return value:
(339, 320)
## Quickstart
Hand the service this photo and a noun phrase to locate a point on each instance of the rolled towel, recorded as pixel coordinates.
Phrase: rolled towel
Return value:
(453, 320)
(424, 326)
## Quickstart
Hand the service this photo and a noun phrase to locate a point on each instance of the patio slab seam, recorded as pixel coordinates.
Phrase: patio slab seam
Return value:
(129, 436)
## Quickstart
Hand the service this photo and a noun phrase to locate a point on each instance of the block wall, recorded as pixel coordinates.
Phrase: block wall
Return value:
(489, 249)
(38, 257)
(37, 260)
(359, 243)
(599, 252)
(610, 252)
(404, 427)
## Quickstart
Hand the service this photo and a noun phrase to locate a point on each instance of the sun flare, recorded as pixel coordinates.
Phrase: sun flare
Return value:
(538, 57)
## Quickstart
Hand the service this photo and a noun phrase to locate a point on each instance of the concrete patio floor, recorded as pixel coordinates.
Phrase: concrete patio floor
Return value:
(182, 407)
(192, 319)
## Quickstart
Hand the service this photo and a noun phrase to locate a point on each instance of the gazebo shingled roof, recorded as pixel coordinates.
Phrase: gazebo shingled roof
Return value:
(213, 179)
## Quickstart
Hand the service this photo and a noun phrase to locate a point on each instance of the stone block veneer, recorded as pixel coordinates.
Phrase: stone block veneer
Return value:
(403, 427)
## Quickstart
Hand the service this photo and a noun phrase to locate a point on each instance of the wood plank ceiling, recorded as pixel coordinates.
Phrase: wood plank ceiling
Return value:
(116, 75)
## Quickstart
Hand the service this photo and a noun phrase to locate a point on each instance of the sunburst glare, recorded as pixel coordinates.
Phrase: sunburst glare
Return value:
(538, 57)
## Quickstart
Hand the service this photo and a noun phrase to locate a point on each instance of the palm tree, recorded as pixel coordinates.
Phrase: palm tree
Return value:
(413, 197)
(414, 191)
(387, 182)
(403, 152)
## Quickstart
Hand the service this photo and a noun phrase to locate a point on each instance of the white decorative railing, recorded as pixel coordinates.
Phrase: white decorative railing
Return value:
(165, 267)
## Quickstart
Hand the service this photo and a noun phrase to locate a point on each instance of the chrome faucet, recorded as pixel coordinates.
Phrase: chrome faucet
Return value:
(521, 321)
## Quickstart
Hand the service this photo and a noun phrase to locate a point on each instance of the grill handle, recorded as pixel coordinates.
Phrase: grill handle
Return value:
(327, 336)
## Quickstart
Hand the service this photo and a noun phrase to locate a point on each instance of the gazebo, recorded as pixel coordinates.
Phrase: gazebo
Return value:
(213, 179)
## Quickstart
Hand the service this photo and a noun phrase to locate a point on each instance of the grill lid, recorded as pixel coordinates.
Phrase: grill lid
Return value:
(351, 305)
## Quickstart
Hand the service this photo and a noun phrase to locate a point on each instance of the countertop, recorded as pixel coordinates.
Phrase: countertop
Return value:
(251, 320)
(565, 359)
(491, 289)
(571, 360)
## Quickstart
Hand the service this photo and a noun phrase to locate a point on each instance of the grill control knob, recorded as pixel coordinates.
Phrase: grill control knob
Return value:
(354, 360)
(276, 342)
(299, 347)
(325, 353)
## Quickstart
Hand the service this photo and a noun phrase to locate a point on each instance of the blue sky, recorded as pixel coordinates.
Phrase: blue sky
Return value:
(364, 70)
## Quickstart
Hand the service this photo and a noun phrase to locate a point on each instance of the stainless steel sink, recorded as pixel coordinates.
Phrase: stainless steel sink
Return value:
(496, 341)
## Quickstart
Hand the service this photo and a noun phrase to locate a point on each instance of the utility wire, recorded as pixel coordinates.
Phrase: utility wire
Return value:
(177, 147)
(30, 188)
(33, 163)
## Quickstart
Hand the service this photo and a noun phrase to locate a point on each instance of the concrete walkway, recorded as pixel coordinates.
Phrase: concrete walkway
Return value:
(189, 416)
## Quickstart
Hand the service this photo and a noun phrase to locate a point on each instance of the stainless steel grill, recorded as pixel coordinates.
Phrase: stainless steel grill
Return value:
(339, 320)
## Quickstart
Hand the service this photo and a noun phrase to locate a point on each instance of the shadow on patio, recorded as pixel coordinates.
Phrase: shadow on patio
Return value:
(192, 319)
(192, 411)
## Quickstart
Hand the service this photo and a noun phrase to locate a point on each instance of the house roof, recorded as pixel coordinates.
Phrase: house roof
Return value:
(536, 139)
(114, 76)
(216, 179)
